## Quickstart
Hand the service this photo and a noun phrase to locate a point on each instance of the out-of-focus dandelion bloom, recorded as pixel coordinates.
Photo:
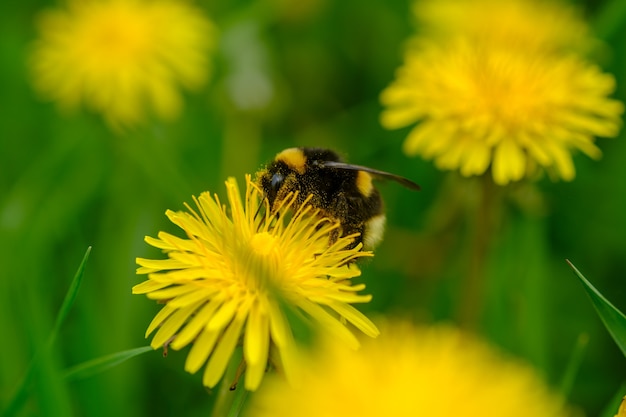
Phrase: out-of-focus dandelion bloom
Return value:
(232, 278)
(408, 371)
(124, 59)
(554, 26)
(478, 107)
(481, 103)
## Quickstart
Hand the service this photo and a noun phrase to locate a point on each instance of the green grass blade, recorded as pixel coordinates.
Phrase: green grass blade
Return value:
(68, 301)
(18, 399)
(240, 398)
(98, 365)
(611, 408)
(613, 319)
(574, 363)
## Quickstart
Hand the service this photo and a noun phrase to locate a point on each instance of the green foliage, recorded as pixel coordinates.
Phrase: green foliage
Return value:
(68, 182)
(95, 366)
(42, 355)
(613, 319)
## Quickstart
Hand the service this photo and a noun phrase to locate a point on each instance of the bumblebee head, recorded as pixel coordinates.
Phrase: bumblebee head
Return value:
(271, 182)
(279, 177)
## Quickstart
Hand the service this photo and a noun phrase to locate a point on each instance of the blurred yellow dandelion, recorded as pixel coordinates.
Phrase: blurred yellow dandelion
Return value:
(485, 106)
(124, 59)
(228, 283)
(408, 371)
(529, 24)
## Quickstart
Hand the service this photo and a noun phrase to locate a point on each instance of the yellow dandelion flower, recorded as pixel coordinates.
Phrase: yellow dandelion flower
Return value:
(554, 24)
(227, 281)
(481, 106)
(409, 371)
(124, 59)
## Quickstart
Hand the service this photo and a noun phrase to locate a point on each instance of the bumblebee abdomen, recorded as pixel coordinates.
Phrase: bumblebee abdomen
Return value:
(373, 231)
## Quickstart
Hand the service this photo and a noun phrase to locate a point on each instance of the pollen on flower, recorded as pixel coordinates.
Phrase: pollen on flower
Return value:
(228, 281)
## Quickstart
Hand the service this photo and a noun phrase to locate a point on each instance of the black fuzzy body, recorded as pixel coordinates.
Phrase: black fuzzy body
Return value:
(334, 191)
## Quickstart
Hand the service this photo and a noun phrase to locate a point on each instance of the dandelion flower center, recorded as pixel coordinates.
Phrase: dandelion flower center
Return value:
(259, 270)
(502, 90)
(265, 245)
(118, 35)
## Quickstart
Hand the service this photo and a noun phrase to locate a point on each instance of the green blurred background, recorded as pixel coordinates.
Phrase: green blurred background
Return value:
(67, 182)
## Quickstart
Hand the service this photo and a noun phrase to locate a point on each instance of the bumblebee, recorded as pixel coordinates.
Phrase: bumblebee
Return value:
(342, 192)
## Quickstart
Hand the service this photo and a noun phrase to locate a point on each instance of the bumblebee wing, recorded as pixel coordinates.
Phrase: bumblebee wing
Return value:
(382, 174)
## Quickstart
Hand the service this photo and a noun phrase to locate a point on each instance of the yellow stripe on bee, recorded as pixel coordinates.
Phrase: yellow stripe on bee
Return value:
(294, 158)
(364, 183)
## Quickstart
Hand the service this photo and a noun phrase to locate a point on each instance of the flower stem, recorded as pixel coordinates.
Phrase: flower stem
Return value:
(240, 398)
(229, 397)
(485, 215)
